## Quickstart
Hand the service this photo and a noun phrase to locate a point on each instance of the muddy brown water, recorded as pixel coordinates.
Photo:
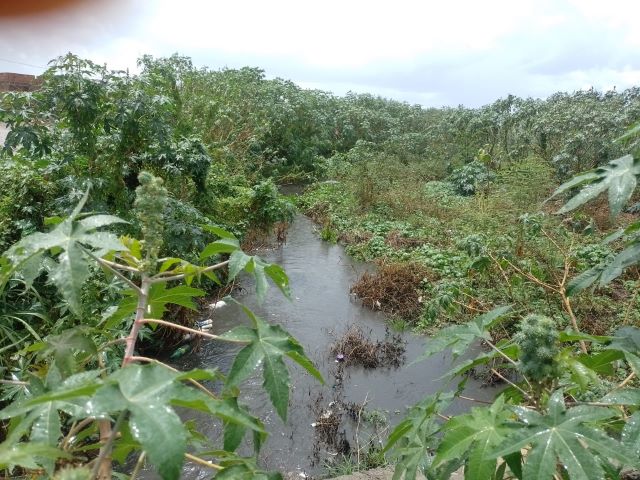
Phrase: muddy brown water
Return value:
(321, 308)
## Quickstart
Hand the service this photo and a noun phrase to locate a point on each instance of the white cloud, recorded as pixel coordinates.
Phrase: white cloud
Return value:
(431, 52)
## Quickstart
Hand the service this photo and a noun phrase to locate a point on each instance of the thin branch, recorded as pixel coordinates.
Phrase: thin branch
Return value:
(119, 266)
(474, 400)
(502, 272)
(532, 277)
(138, 466)
(108, 266)
(502, 377)
(468, 307)
(508, 358)
(626, 380)
(112, 342)
(14, 382)
(190, 330)
(358, 428)
(75, 429)
(158, 278)
(566, 303)
(203, 462)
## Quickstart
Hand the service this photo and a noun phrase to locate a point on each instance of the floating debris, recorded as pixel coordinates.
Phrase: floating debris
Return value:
(204, 325)
(355, 348)
(218, 304)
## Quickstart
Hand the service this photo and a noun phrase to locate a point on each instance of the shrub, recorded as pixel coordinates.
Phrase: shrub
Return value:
(468, 179)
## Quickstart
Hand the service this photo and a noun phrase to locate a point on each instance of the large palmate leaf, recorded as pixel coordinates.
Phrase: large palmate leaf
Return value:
(567, 436)
(618, 177)
(267, 345)
(472, 437)
(149, 393)
(254, 265)
(458, 338)
(69, 241)
(145, 391)
(409, 442)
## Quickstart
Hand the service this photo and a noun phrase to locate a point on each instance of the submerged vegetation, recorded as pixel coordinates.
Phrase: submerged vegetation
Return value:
(127, 196)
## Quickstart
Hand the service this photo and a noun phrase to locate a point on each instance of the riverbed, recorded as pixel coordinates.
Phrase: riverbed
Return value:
(320, 309)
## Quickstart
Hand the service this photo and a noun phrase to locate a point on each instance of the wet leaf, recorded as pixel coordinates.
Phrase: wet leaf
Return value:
(567, 436)
(267, 345)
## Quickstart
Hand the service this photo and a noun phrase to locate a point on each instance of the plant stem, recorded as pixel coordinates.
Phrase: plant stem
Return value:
(14, 382)
(108, 266)
(160, 278)
(143, 299)
(77, 427)
(502, 377)
(102, 466)
(190, 330)
(138, 466)
(574, 322)
(202, 461)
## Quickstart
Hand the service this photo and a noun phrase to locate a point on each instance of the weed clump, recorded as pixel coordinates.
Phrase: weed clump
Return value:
(393, 289)
(354, 348)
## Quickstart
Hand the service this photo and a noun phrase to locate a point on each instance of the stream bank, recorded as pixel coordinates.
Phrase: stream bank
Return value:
(321, 310)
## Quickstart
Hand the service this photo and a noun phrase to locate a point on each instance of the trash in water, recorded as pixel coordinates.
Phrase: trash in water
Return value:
(218, 304)
(180, 351)
(340, 357)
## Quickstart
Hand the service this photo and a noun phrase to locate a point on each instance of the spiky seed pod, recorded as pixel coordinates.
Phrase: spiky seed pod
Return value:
(151, 200)
(538, 341)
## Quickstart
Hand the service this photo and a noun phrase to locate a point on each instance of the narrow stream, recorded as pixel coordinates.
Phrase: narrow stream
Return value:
(320, 275)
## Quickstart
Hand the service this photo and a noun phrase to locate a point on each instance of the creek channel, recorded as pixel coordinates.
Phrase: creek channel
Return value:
(320, 310)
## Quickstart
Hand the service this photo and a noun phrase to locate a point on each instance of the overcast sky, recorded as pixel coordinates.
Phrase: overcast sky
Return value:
(429, 52)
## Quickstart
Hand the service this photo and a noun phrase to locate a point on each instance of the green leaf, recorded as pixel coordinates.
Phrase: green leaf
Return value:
(473, 436)
(162, 435)
(70, 275)
(415, 435)
(219, 231)
(66, 344)
(224, 245)
(618, 177)
(97, 221)
(237, 261)
(631, 433)
(575, 181)
(458, 338)
(276, 382)
(627, 257)
(634, 362)
(566, 436)
(146, 391)
(28, 455)
(626, 339)
(267, 345)
(279, 278)
(626, 396)
(584, 280)
(159, 297)
(69, 241)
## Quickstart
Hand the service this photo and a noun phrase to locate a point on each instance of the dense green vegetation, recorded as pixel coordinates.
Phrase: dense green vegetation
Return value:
(122, 193)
